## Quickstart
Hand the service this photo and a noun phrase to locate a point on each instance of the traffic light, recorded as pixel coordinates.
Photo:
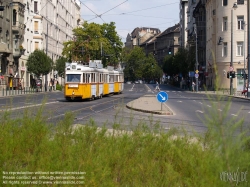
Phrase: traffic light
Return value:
(169, 51)
(233, 74)
(246, 75)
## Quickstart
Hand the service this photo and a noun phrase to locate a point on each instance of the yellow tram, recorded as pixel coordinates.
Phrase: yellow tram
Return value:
(92, 81)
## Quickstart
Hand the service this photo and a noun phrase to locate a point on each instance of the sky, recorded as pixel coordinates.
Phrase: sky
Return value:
(129, 14)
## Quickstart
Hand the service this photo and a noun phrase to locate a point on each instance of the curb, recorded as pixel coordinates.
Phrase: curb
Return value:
(148, 111)
(167, 111)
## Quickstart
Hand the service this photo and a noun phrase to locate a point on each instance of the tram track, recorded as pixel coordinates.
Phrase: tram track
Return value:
(89, 107)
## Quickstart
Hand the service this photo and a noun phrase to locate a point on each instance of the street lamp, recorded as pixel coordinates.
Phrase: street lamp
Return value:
(196, 56)
(248, 42)
(244, 86)
(231, 62)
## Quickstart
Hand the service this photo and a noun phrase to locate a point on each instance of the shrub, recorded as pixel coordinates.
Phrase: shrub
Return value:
(59, 87)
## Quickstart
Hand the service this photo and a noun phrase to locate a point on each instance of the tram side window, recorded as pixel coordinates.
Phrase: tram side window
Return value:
(116, 78)
(93, 77)
(105, 78)
(73, 78)
(101, 77)
(84, 78)
(87, 77)
(111, 78)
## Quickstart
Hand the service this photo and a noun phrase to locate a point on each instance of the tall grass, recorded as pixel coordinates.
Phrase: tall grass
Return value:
(146, 156)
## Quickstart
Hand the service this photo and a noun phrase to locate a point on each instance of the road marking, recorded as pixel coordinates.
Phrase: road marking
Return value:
(209, 106)
(17, 108)
(234, 115)
(220, 110)
(201, 103)
(179, 101)
(199, 111)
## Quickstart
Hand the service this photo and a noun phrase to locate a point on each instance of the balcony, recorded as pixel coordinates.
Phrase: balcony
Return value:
(16, 27)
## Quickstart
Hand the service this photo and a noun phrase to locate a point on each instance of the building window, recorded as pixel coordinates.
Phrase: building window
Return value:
(240, 20)
(224, 51)
(35, 6)
(224, 2)
(240, 2)
(36, 26)
(27, 47)
(14, 17)
(36, 45)
(239, 48)
(224, 24)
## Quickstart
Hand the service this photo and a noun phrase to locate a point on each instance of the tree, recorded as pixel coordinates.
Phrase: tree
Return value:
(39, 63)
(94, 41)
(182, 62)
(151, 69)
(138, 65)
(134, 62)
(60, 66)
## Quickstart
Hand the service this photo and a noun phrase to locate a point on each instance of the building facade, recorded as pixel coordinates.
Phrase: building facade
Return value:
(167, 43)
(140, 35)
(226, 43)
(183, 22)
(11, 38)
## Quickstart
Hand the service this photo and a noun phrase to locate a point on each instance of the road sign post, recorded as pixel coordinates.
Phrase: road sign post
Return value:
(162, 97)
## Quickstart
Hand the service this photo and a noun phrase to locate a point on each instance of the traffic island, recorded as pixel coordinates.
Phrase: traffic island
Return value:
(149, 104)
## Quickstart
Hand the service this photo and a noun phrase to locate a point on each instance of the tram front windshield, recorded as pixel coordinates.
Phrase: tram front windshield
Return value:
(73, 78)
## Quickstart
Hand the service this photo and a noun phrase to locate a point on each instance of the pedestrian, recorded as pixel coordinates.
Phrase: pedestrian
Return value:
(193, 85)
(157, 86)
(50, 85)
(53, 81)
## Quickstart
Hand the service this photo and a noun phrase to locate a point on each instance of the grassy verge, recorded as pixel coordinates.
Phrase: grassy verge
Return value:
(43, 153)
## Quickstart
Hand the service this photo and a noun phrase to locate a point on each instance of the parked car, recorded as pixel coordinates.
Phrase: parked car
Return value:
(136, 82)
(140, 81)
(129, 82)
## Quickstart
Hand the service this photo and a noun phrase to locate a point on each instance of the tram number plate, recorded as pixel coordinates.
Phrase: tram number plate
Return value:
(73, 85)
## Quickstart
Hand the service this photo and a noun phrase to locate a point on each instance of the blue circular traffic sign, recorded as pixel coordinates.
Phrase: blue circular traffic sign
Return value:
(162, 96)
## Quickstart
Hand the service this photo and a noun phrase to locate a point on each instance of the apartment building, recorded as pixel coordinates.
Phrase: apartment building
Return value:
(226, 43)
(49, 23)
(167, 43)
(139, 35)
(199, 34)
(11, 38)
(183, 22)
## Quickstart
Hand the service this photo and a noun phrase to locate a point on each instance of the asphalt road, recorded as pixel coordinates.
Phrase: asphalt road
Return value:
(190, 109)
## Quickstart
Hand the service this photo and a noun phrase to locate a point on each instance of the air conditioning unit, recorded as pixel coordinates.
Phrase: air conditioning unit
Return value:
(36, 32)
(37, 12)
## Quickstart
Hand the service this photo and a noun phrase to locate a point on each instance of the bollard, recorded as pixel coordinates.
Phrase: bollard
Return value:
(3, 91)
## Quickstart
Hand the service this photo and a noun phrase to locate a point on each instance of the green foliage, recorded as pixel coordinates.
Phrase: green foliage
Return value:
(59, 87)
(60, 66)
(182, 62)
(146, 156)
(91, 39)
(39, 63)
(138, 65)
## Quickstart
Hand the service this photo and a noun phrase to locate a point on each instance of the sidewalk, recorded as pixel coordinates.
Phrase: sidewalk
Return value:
(7, 93)
(150, 104)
